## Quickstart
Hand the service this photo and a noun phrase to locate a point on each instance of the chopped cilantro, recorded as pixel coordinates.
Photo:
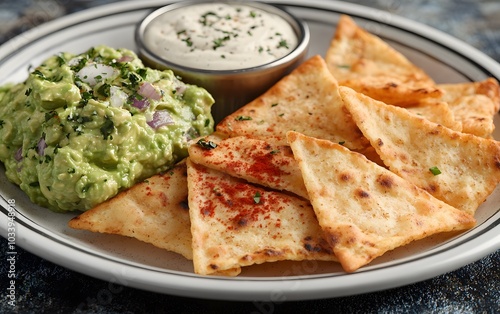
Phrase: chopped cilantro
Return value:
(435, 170)
(282, 44)
(256, 198)
(107, 128)
(104, 90)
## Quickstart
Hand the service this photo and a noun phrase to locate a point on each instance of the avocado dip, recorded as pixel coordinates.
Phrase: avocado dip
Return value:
(83, 127)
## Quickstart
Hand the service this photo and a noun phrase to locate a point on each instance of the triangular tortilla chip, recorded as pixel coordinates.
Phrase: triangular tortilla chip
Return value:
(364, 209)
(306, 101)
(154, 211)
(366, 63)
(474, 104)
(436, 111)
(417, 150)
(255, 160)
(236, 224)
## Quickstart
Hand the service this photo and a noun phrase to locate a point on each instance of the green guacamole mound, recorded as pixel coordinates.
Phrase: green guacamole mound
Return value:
(83, 127)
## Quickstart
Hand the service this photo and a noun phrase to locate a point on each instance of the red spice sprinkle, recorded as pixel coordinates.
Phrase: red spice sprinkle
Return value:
(164, 199)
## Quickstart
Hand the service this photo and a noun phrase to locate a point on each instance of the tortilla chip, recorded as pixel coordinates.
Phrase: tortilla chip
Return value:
(306, 101)
(474, 104)
(411, 146)
(236, 224)
(367, 64)
(364, 209)
(436, 111)
(257, 161)
(154, 211)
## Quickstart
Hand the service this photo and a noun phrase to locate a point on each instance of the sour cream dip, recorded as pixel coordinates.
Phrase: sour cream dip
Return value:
(220, 36)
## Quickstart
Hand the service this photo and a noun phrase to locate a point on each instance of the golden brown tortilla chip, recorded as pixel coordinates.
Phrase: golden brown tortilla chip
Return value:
(154, 211)
(364, 209)
(436, 111)
(306, 101)
(255, 160)
(236, 224)
(366, 63)
(474, 104)
(417, 150)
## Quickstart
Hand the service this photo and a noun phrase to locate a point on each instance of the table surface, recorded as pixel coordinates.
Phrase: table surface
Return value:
(45, 287)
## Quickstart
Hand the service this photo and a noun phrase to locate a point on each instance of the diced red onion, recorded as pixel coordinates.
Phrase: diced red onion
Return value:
(180, 89)
(40, 147)
(19, 154)
(140, 104)
(149, 91)
(125, 59)
(160, 118)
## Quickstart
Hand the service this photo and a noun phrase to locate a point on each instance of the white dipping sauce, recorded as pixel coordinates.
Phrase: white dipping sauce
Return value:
(220, 36)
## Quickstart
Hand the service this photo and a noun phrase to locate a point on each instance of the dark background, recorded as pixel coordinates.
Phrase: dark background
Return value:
(43, 287)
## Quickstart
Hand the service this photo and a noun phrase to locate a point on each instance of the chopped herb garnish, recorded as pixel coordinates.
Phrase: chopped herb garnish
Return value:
(341, 142)
(104, 90)
(188, 41)
(86, 96)
(274, 105)
(282, 44)
(256, 198)
(60, 60)
(39, 74)
(56, 149)
(134, 79)
(78, 129)
(242, 118)
(107, 128)
(275, 151)
(206, 144)
(435, 170)
(142, 72)
(28, 92)
(204, 20)
(219, 42)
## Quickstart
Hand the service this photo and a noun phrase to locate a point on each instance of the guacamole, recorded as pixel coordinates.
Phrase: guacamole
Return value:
(83, 127)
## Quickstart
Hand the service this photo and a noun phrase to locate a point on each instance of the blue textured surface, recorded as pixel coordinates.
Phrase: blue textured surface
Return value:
(42, 286)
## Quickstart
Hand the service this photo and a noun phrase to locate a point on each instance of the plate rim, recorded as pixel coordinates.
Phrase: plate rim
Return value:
(190, 285)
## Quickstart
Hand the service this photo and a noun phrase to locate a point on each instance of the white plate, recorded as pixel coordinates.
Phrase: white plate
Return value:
(129, 262)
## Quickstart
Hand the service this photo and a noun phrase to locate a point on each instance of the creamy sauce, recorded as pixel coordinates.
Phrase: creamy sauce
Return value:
(220, 36)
